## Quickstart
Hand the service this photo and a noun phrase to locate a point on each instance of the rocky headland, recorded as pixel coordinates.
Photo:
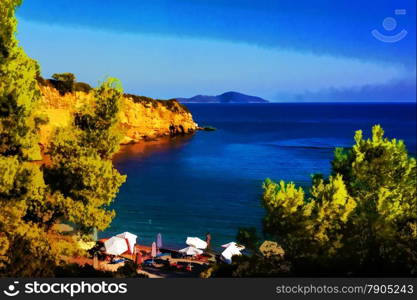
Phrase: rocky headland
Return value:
(141, 118)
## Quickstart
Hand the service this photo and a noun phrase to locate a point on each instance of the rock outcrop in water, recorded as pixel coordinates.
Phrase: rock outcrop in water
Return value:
(142, 118)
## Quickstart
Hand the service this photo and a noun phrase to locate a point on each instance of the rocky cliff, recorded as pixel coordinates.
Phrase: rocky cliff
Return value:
(141, 118)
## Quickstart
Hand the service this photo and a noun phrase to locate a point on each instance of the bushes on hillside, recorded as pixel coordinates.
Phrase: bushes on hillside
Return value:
(82, 87)
(172, 104)
(64, 83)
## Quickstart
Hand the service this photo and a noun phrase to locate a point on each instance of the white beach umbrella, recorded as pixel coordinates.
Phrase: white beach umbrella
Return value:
(196, 242)
(238, 246)
(229, 252)
(131, 238)
(115, 245)
(191, 251)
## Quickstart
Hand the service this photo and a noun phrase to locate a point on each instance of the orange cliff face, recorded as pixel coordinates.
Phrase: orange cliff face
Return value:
(141, 118)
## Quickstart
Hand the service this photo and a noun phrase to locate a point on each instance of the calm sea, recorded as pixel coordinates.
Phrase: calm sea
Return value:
(211, 182)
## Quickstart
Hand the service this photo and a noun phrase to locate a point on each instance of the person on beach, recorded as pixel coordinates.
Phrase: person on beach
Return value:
(208, 240)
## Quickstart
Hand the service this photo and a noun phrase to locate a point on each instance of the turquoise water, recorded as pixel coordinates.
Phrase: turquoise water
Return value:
(211, 181)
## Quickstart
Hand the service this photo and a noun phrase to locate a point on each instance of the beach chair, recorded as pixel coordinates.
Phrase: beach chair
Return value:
(163, 254)
(148, 262)
(118, 261)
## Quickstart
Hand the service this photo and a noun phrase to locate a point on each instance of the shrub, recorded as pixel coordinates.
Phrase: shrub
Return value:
(63, 82)
(82, 87)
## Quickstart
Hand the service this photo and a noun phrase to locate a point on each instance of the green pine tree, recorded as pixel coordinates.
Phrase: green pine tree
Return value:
(362, 219)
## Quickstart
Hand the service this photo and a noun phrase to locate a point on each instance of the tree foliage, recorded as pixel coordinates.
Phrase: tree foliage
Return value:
(99, 122)
(80, 170)
(19, 92)
(21, 183)
(77, 186)
(362, 219)
(25, 248)
(63, 82)
(82, 87)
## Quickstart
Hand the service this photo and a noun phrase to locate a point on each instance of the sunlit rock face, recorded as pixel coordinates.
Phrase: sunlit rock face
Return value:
(141, 118)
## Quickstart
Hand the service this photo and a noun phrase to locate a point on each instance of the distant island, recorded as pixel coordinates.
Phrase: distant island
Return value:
(228, 97)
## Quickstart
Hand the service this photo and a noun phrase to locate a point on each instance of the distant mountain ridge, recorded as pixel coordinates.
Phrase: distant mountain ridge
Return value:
(228, 97)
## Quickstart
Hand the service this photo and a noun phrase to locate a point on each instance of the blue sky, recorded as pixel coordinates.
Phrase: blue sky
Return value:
(284, 50)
